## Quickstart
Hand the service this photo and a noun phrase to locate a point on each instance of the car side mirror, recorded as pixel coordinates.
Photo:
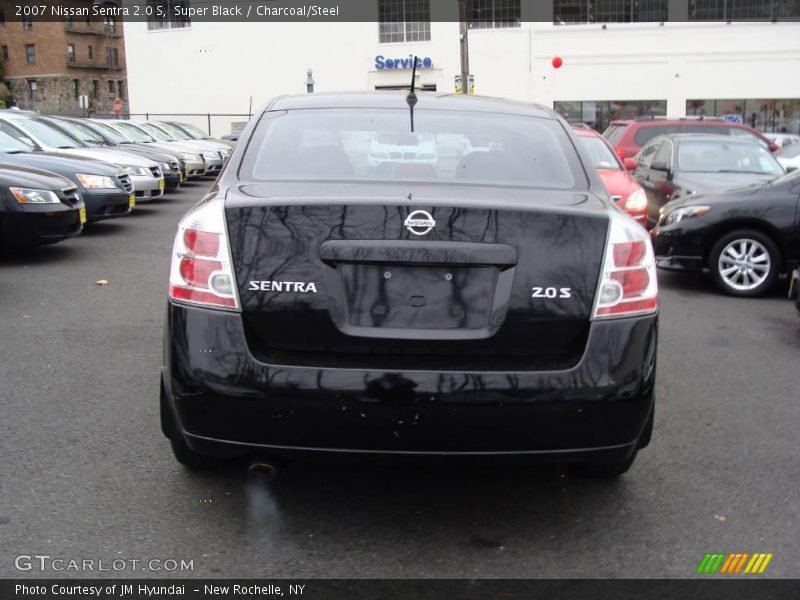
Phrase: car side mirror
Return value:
(791, 169)
(630, 164)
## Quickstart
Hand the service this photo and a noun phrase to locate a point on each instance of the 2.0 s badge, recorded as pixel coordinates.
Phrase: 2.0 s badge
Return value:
(551, 292)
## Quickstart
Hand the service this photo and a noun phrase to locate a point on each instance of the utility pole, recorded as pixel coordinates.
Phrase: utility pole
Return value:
(464, 41)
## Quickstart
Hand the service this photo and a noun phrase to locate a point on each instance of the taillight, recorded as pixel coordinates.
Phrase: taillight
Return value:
(621, 153)
(628, 283)
(201, 271)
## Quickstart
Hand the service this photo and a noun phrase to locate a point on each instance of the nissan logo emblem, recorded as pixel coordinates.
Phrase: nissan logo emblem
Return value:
(420, 222)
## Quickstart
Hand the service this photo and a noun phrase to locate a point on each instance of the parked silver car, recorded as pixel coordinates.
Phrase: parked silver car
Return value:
(146, 175)
(196, 165)
(210, 150)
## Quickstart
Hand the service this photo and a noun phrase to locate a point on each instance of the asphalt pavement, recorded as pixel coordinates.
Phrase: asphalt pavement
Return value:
(85, 472)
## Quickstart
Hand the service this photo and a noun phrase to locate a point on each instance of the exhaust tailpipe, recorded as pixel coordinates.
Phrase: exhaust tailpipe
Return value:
(264, 469)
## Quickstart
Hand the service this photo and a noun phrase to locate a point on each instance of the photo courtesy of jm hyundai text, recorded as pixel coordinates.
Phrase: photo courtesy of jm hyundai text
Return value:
(472, 292)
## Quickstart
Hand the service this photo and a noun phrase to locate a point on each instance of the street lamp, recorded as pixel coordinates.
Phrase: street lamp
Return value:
(310, 81)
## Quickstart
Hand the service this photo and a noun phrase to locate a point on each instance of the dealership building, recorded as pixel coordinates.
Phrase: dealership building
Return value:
(618, 58)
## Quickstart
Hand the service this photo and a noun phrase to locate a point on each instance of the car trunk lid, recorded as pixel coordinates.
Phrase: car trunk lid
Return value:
(333, 274)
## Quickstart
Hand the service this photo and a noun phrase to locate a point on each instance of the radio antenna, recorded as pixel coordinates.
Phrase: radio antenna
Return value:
(411, 98)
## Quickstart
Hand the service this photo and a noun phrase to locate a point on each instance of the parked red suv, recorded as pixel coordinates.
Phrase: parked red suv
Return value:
(622, 188)
(627, 137)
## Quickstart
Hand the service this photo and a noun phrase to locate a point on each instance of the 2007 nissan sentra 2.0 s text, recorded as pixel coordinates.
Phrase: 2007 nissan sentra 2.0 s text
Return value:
(489, 303)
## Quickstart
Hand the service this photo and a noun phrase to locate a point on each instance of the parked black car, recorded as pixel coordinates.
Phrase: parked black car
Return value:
(744, 237)
(106, 190)
(81, 133)
(37, 207)
(672, 166)
(493, 304)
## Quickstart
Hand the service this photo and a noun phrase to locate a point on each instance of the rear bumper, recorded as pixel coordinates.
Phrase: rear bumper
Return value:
(225, 402)
(105, 205)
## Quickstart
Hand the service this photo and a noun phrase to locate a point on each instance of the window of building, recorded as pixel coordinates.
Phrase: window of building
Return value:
(70, 53)
(5, 52)
(27, 22)
(404, 21)
(567, 12)
(110, 24)
(30, 53)
(32, 88)
(91, 53)
(76, 88)
(121, 89)
(767, 114)
(95, 88)
(485, 14)
(112, 57)
(598, 114)
(2, 17)
(112, 88)
(742, 10)
(165, 14)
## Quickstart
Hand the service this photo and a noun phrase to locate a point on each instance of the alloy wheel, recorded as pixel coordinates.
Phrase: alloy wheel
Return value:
(744, 264)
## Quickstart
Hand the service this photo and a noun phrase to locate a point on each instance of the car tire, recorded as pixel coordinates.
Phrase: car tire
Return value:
(604, 470)
(756, 274)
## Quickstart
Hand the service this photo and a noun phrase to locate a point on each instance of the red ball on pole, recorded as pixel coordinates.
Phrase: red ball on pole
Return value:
(557, 62)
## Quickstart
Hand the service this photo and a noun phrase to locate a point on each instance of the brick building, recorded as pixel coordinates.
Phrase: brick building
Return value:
(48, 65)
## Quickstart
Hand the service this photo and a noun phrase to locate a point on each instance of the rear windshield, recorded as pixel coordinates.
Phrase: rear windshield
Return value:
(645, 134)
(648, 132)
(599, 153)
(378, 145)
(726, 157)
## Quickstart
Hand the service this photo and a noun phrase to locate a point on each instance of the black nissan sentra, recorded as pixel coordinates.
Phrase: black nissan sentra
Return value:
(470, 292)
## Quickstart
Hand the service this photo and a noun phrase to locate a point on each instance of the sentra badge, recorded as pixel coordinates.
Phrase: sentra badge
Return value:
(283, 286)
(420, 222)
